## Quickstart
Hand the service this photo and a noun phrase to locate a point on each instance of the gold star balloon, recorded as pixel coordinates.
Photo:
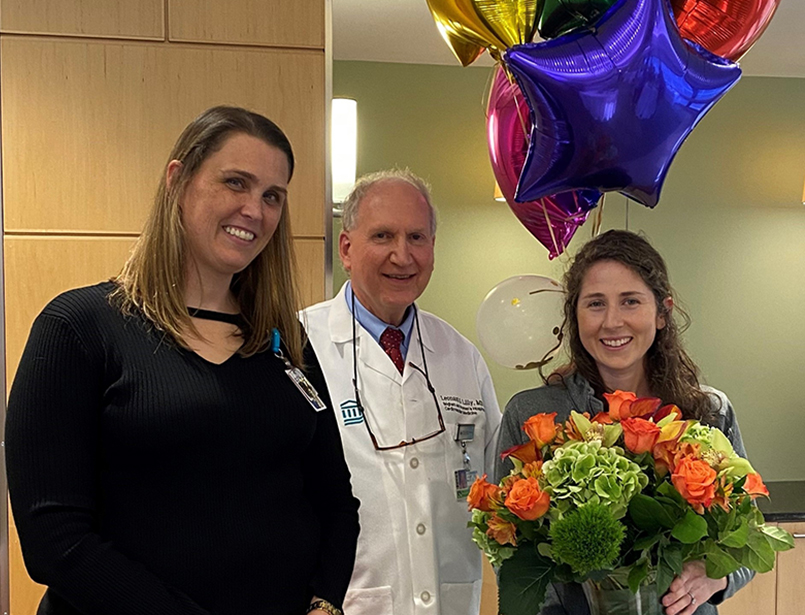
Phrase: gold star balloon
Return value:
(470, 26)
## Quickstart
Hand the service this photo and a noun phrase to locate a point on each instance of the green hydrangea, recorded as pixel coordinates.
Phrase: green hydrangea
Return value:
(587, 472)
(495, 552)
(587, 539)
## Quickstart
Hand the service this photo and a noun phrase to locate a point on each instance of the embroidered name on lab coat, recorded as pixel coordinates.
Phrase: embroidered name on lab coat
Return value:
(451, 403)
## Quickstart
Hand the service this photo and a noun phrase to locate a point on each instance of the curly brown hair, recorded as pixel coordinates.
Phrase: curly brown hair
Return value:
(671, 373)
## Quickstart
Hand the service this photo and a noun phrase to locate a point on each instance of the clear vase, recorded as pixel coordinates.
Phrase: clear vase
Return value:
(622, 601)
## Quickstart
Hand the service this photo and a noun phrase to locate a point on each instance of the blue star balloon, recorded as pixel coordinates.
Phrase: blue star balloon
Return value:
(611, 105)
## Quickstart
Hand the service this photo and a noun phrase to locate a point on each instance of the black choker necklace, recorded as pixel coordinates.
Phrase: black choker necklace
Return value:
(232, 319)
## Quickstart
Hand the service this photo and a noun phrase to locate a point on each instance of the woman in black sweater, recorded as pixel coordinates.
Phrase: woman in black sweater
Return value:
(161, 460)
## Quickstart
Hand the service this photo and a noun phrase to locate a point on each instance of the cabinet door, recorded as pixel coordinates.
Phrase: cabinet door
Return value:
(757, 598)
(790, 566)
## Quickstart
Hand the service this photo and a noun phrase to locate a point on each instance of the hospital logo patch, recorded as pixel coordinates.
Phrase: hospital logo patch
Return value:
(350, 412)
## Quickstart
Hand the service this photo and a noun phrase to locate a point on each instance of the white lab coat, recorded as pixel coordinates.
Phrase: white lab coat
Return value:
(415, 553)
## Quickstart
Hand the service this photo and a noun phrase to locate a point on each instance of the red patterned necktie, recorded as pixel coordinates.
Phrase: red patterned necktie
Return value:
(390, 340)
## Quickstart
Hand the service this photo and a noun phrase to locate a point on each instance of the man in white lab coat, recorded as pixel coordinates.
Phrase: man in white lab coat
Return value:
(415, 404)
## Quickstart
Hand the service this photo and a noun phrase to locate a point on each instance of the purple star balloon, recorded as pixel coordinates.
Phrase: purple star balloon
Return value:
(612, 105)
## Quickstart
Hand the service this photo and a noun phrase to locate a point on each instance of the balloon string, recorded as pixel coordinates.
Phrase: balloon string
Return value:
(486, 95)
(599, 217)
(556, 248)
(627, 213)
(520, 117)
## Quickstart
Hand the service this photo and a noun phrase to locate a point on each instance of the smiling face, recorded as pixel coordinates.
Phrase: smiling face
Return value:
(231, 207)
(389, 251)
(618, 321)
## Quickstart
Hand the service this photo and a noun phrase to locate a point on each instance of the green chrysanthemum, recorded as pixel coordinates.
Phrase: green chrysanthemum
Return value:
(587, 539)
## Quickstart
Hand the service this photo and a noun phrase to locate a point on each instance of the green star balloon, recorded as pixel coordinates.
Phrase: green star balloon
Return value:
(558, 17)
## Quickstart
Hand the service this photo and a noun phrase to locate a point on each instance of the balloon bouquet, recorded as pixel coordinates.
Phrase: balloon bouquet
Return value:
(605, 102)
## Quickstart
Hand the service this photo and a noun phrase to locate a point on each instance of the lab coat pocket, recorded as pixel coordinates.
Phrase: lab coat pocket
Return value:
(461, 598)
(369, 601)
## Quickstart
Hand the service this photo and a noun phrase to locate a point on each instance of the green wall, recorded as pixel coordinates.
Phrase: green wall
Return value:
(730, 225)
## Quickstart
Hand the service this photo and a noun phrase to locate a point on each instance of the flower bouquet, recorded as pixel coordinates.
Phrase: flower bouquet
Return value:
(620, 502)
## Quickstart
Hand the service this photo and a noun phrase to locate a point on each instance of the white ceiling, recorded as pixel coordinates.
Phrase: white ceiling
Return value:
(404, 31)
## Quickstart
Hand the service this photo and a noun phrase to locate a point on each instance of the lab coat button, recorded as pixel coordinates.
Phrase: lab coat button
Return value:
(425, 596)
(414, 463)
(420, 529)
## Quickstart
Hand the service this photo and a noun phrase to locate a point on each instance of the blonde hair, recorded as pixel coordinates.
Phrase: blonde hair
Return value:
(152, 280)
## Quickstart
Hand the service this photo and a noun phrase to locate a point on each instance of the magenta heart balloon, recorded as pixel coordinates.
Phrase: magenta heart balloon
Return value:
(553, 219)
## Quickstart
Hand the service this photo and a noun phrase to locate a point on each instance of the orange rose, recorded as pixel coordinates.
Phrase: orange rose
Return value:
(754, 486)
(483, 495)
(501, 531)
(694, 479)
(541, 428)
(639, 435)
(527, 500)
(619, 403)
(527, 453)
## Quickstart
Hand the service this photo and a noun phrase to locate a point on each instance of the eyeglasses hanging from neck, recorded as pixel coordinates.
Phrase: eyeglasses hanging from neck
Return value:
(366, 421)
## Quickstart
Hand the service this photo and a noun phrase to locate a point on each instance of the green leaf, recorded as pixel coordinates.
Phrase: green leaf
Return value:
(736, 538)
(779, 539)
(528, 529)
(761, 555)
(649, 514)
(638, 574)
(523, 581)
(545, 550)
(672, 555)
(669, 491)
(718, 563)
(646, 542)
(690, 528)
(664, 577)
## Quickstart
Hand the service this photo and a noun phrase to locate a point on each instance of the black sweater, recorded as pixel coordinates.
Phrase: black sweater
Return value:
(146, 480)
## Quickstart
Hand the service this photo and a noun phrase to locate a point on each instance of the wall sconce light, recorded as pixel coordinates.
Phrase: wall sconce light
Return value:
(344, 146)
(498, 194)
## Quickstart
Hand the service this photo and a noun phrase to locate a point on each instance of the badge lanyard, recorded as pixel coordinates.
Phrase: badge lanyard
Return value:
(296, 375)
(465, 433)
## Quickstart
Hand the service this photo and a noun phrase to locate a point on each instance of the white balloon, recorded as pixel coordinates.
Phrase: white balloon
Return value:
(519, 320)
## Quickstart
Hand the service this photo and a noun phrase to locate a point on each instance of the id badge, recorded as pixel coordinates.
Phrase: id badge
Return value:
(464, 480)
(307, 389)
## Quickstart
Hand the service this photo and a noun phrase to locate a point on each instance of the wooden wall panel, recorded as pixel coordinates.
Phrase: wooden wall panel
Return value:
(112, 18)
(790, 566)
(57, 264)
(296, 23)
(757, 598)
(108, 113)
(310, 259)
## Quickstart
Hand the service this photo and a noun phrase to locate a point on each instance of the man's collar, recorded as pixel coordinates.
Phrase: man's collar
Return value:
(372, 323)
